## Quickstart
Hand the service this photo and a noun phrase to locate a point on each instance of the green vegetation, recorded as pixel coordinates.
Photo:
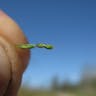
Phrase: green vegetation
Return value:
(86, 86)
(30, 46)
(28, 92)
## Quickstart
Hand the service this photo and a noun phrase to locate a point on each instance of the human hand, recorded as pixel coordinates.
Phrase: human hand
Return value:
(13, 60)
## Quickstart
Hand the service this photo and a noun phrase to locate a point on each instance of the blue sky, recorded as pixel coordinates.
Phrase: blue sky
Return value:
(70, 25)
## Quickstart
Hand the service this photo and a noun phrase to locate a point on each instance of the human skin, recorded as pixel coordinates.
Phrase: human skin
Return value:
(13, 60)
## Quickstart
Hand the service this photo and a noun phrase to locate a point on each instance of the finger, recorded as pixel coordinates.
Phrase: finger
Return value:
(10, 35)
(10, 30)
(4, 71)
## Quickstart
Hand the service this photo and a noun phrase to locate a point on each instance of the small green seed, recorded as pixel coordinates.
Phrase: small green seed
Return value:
(30, 46)
(26, 46)
(40, 45)
(49, 46)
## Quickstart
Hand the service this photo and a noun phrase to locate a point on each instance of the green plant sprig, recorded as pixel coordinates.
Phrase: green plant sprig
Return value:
(30, 46)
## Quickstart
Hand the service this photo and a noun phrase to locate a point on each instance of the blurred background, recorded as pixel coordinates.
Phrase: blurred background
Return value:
(70, 26)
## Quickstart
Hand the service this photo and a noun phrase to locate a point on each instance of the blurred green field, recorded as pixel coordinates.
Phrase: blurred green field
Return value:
(28, 92)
